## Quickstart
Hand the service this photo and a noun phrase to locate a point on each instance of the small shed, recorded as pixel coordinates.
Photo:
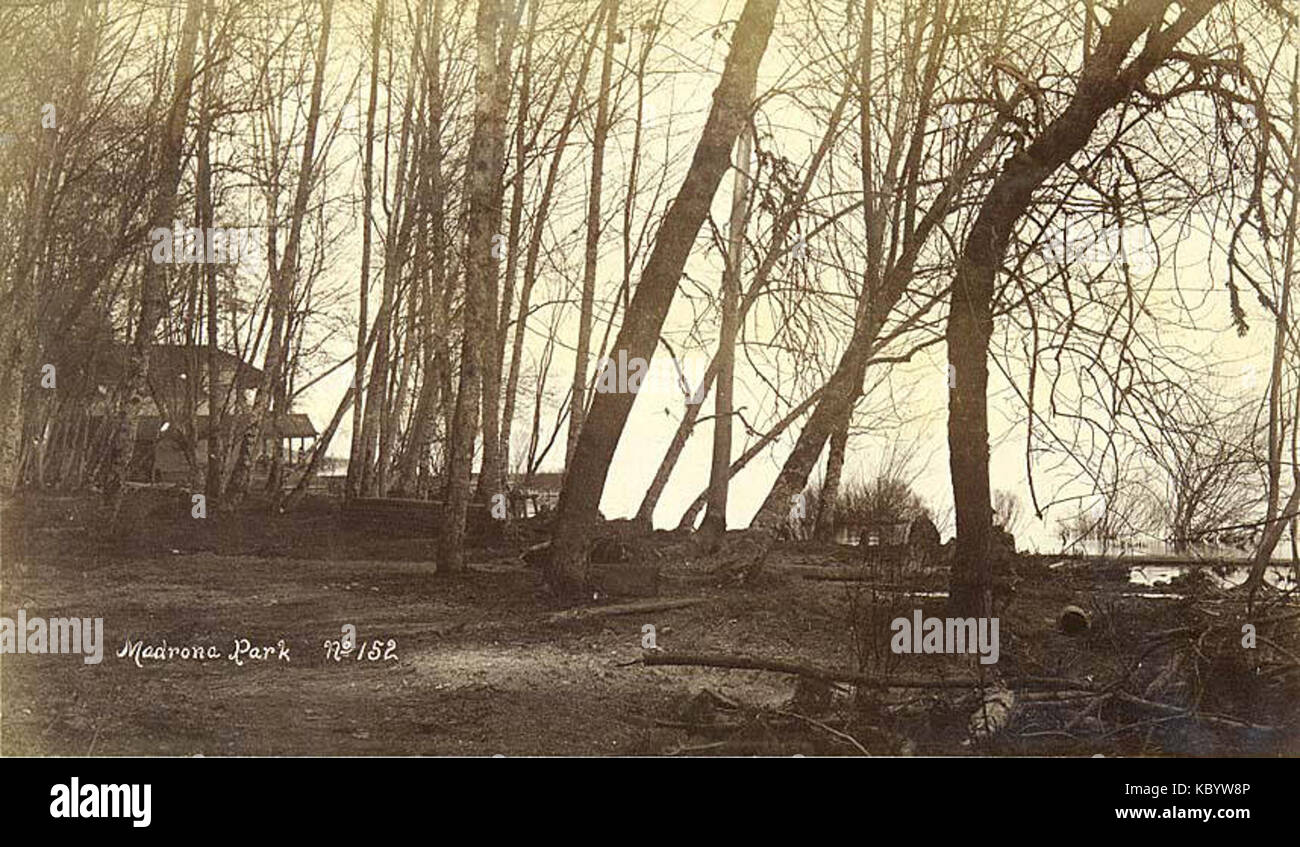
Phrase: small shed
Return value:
(905, 545)
(295, 425)
(884, 534)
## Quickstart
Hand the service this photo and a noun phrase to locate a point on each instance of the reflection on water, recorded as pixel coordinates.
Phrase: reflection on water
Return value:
(1233, 570)
(1281, 577)
(1139, 549)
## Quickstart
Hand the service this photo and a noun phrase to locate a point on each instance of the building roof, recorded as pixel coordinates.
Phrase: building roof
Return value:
(295, 425)
(169, 363)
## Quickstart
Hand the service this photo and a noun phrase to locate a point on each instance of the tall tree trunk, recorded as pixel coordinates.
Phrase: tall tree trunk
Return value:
(584, 483)
(715, 520)
(828, 500)
(1103, 83)
(283, 277)
(136, 385)
(377, 424)
(885, 279)
(514, 238)
(20, 336)
(534, 251)
(845, 384)
(215, 448)
(492, 475)
(483, 190)
(776, 250)
(1264, 554)
(360, 452)
(18, 332)
(578, 397)
(433, 278)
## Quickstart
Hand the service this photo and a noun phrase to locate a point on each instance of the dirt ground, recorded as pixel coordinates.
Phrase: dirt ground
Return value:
(477, 664)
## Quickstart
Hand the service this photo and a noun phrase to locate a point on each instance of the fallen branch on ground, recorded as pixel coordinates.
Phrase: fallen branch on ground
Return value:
(867, 579)
(568, 616)
(583, 614)
(1176, 713)
(832, 731)
(1063, 696)
(719, 660)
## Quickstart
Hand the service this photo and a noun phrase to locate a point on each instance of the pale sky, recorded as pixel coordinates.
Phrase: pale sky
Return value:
(919, 387)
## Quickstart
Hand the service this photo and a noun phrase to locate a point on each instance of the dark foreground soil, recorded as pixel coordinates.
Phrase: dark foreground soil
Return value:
(479, 664)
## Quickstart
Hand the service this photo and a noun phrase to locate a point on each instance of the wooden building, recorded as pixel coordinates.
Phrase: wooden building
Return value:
(172, 433)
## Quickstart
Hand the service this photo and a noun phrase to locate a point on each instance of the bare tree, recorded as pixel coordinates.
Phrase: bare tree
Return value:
(283, 277)
(578, 403)
(1108, 76)
(715, 520)
(360, 458)
(483, 189)
(135, 385)
(639, 335)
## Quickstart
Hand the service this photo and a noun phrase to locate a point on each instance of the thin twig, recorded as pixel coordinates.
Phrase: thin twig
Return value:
(843, 736)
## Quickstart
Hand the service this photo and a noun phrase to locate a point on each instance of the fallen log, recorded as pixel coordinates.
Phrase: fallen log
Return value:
(752, 663)
(1062, 696)
(868, 579)
(568, 616)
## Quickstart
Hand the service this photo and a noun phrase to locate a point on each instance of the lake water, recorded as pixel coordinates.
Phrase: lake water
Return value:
(1278, 576)
(1121, 549)
(1233, 571)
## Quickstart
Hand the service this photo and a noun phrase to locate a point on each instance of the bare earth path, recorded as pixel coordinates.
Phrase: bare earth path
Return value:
(474, 669)
(476, 664)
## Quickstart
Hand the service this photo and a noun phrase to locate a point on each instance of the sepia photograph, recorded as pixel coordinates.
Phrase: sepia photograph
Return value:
(650, 378)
